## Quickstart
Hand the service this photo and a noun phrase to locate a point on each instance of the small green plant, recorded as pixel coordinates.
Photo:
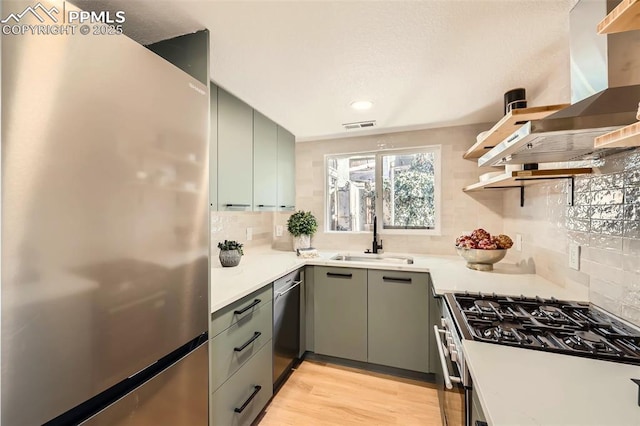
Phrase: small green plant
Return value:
(227, 245)
(302, 223)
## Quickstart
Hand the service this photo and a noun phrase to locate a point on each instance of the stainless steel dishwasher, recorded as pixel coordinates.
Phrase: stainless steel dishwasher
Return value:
(286, 325)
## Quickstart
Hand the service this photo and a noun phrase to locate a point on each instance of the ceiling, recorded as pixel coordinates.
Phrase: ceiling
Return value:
(423, 64)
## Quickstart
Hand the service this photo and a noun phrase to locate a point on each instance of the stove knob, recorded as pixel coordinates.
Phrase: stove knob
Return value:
(448, 334)
(443, 322)
(452, 348)
(454, 355)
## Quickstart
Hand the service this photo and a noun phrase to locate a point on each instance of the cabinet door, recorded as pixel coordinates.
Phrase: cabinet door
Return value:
(286, 170)
(235, 153)
(265, 164)
(398, 319)
(340, 312)
(213, 147)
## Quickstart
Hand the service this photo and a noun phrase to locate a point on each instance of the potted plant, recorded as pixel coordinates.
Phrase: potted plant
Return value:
(230, 253)
(302, 225)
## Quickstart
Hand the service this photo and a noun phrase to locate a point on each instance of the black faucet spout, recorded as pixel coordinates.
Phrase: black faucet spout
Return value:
(375, 246)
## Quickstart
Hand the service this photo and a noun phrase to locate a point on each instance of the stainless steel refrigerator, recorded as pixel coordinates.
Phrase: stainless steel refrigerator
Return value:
(105, 235)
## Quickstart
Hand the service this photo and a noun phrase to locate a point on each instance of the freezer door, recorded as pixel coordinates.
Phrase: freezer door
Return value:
(176, 396)
(105, 241)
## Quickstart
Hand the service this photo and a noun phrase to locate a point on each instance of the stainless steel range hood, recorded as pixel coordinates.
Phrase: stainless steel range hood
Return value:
(605, 91)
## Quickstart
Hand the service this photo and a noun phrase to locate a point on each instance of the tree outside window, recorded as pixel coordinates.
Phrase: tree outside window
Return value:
(409, 182)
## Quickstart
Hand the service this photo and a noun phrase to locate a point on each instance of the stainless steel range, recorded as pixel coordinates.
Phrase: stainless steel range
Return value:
(573, 328)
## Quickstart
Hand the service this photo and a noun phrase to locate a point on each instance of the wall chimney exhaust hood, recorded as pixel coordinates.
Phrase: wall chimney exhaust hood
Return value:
(605, 91)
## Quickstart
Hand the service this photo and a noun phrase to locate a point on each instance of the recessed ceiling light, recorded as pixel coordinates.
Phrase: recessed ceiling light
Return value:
(360, 105)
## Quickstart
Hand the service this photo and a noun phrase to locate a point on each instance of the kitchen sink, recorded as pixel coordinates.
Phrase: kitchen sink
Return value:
(373, 258)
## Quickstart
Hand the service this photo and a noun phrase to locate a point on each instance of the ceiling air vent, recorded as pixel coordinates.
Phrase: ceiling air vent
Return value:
(359, 125)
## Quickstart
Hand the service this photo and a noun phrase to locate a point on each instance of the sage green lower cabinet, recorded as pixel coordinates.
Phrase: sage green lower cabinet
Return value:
(232, 348)
(241, 359)
(398, 319)
(340, 312)
(241, 398)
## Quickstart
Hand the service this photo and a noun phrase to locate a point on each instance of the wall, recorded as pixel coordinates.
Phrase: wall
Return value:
(605, 222)
(460, 211)
(228, 225)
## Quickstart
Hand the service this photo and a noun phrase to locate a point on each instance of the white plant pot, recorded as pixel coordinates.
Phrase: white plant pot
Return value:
(301, 242)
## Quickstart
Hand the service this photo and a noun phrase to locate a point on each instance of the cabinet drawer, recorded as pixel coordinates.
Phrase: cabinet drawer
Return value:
(245, 307)
(253, 379)
(237, 344)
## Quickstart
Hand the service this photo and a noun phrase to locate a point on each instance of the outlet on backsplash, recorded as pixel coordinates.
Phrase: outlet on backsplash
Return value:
(518, 242)
(249, 234)
(279, 230)
(574, 256)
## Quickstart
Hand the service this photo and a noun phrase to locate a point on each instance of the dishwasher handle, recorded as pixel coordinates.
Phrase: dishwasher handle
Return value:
(282, 293)
(448, 378)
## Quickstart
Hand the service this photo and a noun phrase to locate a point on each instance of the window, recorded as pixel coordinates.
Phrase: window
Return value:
(401, 188)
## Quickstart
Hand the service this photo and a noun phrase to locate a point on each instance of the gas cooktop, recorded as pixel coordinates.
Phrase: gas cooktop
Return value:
(574, 328)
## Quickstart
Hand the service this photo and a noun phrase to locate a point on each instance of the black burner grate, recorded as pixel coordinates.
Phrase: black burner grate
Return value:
(574, 328)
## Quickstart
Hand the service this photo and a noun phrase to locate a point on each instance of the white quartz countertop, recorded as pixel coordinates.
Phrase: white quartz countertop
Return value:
(259, 267)
(256, 269)
(506, 278)
(525, 387)
(515, 386)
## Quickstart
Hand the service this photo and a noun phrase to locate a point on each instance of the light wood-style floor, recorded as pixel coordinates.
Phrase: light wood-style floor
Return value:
(317, 393)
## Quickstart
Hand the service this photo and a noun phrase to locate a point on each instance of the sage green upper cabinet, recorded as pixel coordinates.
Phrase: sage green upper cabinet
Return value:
(213, 147)
(235, 153)
(265, 164)
(398, 319)
(286, 170)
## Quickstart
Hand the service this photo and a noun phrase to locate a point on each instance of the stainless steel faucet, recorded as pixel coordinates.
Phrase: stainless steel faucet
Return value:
(376, 247)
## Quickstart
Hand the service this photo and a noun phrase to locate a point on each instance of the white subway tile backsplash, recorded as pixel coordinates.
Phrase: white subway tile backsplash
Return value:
(632, 177)
(631, 263)
(610, 211)
(604, 220)
(579, 212)
(605, 257)
(631, 313)
(632, 195)
(607, 227)
(580, 238)
(632, 212)
(606, 182)
(631, 247)
(612, 290)
(607, 303)
(607, 196)
(606, 242)
(632, 229)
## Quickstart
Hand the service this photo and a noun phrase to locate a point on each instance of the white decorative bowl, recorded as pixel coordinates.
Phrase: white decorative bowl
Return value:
(481, 260)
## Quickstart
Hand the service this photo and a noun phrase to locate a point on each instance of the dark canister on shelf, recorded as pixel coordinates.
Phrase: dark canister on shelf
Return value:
(515, 98)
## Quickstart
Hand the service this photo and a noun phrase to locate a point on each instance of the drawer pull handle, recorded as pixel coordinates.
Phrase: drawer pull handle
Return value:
(237, 205)
(246, 308)
(337, 275)
(396, 279)
(248, 342)
(256, 389)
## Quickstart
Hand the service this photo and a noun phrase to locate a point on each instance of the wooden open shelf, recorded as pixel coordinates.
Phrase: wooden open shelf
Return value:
(625, 17)
(628, 136)
(523, 178)
(507, 125)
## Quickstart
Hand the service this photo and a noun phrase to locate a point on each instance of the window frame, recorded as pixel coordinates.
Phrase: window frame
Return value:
(378, 154)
